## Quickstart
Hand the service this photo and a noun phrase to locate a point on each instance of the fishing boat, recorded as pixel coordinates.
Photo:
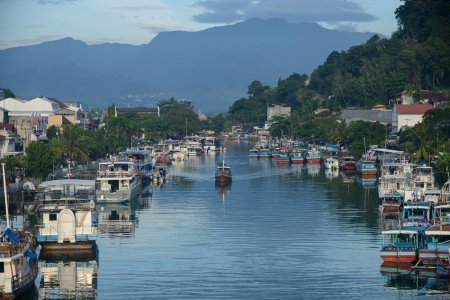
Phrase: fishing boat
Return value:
(117, 182)
(392, 202)
(143, 161)
(331, 163)
(347, 163)
(264, 153)
(417, 213)
(366, 168)
(283, 158)
(313, 156)
(18, 263)
(297, 157)
(67, 216)
(223, 173)
(401, 245)
(253, 153)
(18, 258)
(437, 249)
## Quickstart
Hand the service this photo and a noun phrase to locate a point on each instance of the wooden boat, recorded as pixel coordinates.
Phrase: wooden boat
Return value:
(18, 258)
(264, 153)
(283, 158)
(18, 262)
(347, 163)
(394, 176)
(401, 245)
(67, 216)
(438, 246)
(253, 153)
(392, 202)
(417, 213)
(366, 168)
(313, 156)
(143, 161)
(297, 158)
(223, 173)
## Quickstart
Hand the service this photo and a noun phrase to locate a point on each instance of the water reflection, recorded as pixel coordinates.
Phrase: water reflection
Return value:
(69, 275)
(331, 173)
(416, 279)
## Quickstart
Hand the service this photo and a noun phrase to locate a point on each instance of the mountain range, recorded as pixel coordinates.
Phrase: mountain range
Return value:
(211, 68)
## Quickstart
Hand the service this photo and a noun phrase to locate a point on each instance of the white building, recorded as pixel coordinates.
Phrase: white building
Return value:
(36, 106)
(408, 115)
(278, 110)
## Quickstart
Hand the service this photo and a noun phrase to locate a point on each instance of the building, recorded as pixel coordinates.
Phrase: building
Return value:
(408, 115)
(10, 144)
(67, 116)
(140, 111)
(376, 114)
(278, 110)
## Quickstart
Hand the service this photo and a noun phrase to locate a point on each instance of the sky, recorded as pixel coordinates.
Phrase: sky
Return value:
(136, 22)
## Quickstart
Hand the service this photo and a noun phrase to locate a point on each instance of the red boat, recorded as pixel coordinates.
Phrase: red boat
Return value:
(348, 163)
(223, 173)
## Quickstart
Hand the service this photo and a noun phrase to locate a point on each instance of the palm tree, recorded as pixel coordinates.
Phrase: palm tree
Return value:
(72, 144)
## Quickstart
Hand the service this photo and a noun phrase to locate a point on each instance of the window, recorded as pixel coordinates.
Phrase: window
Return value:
(2, 267)
(52, 217)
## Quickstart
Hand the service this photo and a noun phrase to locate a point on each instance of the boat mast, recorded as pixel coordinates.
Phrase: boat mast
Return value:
(6, 195)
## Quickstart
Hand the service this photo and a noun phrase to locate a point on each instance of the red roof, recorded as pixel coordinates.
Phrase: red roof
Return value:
(413, 109)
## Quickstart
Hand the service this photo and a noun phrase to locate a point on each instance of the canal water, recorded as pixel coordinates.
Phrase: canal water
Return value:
(277, 232)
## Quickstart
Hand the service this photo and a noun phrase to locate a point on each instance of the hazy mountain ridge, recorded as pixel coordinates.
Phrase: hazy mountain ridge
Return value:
(212, 68)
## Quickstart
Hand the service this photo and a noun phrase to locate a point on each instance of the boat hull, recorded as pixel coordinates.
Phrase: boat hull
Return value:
(54, 246)
(313, 160)
(399, 256)
(434, 257)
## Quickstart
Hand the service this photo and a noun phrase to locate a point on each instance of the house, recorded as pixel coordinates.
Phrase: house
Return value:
(378, 113)
(408, 115)
(67, 116)
(10, 143)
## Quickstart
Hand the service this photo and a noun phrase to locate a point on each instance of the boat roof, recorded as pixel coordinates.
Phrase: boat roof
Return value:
(406, 230)
(63, 182)
(417, 204)
(137, 151)
(442, 229)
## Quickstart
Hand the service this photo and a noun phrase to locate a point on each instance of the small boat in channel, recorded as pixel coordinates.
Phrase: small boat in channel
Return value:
(283, 158)
(223, 173)
(417, 213)
(67, 216)
(297, 157)
(401, 245)
(392, 202)
(18, 263)
(18, 258)
(253, 153)
(347, 163)
(143, 161)
(366, 168)
(331, 163)
(117, 182)
(437, 249)
(264, 153)
(313, 156)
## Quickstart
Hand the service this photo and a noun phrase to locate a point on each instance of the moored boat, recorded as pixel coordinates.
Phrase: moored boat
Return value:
(67, 216)
(392, 202)
(347, 163)
(18, 262)
(313, 156)
(437, 249)
(331, 163)
(117, 182)
(366, 168)
(417, 213)
(253, 153)
(401, 245)
(283, 158)
(297, 157)
(264, 153)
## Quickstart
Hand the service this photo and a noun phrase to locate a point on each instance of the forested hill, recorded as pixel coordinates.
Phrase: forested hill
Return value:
(210, 67)
(415, 58)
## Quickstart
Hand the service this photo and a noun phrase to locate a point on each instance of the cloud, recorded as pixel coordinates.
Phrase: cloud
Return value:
(332, 11)
(139, 8)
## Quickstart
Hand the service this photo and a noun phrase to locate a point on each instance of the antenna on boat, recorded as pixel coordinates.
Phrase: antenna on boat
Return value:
(6, 195)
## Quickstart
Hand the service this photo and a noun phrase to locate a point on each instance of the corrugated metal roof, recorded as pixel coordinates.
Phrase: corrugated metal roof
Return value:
(413, 109)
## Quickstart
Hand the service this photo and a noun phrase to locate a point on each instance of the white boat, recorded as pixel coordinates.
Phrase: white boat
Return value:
(117, 182)
(395, 177)
(18, 264)
(67, 216)
(143, 161)
(18, 258)
(209, 144)
(331, 163)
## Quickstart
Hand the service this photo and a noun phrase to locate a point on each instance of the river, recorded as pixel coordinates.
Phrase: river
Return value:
(277, 232)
